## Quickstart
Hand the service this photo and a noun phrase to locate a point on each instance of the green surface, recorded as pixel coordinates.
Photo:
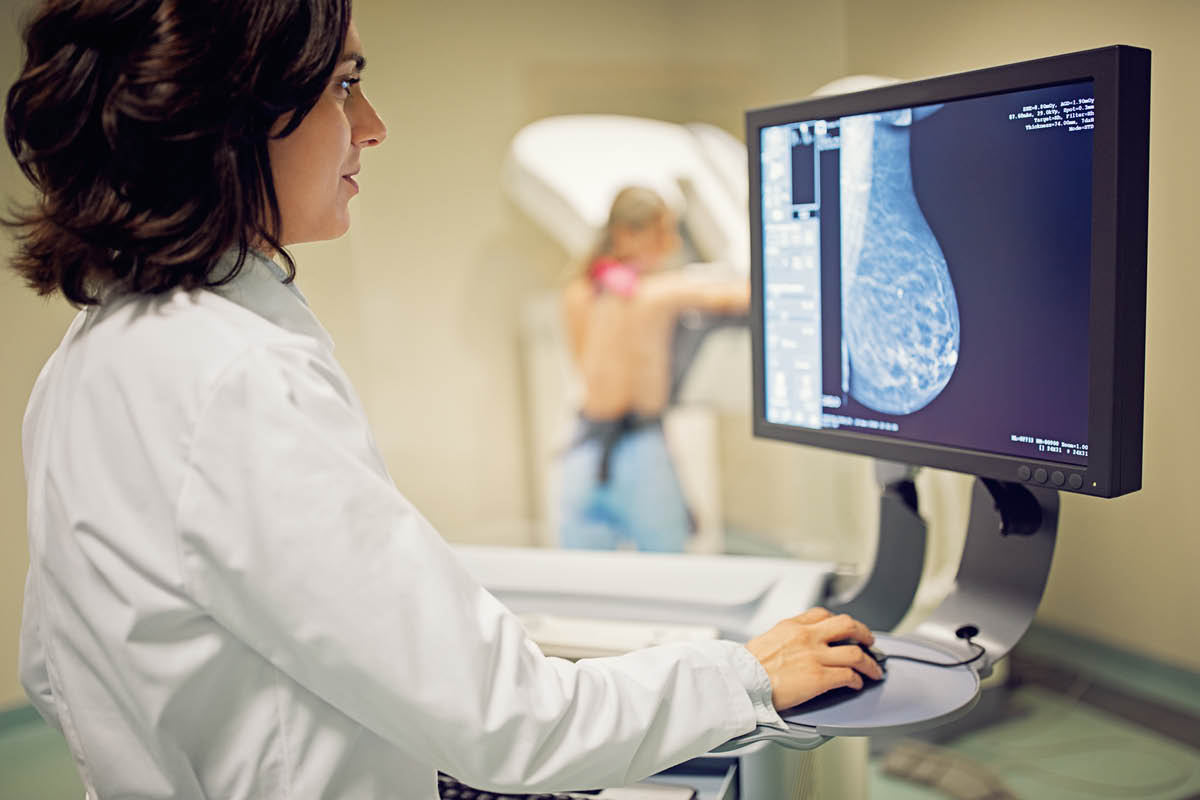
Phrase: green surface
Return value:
(16, 717)
(34, 761)
(1133, 674)
(1060, 749)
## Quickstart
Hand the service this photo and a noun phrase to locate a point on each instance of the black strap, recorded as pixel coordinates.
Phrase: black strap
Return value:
(609, 432)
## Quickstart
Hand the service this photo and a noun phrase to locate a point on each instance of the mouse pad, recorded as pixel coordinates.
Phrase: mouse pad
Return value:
(911, 696)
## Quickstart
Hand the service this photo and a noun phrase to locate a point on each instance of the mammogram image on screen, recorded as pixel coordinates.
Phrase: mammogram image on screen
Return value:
(899, 310)
(926, 272)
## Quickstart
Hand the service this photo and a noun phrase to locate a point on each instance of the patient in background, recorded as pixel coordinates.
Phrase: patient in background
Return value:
(619, 485)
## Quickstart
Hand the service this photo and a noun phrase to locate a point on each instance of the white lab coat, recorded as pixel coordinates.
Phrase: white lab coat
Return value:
(228, 597)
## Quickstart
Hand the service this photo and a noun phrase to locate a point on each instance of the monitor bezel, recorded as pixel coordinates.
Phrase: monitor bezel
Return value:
(1120, 177)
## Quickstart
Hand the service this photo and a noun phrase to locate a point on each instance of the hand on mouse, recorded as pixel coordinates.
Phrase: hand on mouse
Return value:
(800, 663)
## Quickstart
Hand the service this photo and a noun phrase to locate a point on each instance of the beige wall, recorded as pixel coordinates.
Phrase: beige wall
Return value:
(422, 295)
(1125, 570)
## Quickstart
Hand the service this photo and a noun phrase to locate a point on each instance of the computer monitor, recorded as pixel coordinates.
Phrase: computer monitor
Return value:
(952, 272)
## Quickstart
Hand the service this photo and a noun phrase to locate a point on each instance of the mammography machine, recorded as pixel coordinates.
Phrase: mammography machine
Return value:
(948, 273)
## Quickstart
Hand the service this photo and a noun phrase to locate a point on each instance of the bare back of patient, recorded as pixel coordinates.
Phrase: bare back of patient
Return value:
(622, 345)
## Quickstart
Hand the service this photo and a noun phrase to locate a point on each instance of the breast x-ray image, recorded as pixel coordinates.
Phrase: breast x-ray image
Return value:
(917, 259)
(900, 314)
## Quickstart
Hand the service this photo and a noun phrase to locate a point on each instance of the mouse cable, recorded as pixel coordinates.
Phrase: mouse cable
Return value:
(970, 660)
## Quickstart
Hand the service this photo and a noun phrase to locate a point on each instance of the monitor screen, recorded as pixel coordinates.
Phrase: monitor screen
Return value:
(933, 267)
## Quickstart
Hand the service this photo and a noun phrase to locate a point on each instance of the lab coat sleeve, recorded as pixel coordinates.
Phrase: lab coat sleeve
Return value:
(33, 672)
(294, 538)
(32, 668)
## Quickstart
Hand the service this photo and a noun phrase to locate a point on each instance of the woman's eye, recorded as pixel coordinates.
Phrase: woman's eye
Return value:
(342, 85)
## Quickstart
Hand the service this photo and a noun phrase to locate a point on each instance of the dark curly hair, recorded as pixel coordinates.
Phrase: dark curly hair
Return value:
(143, 126)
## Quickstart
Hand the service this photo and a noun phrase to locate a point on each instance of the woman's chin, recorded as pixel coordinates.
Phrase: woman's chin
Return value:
(332, 229)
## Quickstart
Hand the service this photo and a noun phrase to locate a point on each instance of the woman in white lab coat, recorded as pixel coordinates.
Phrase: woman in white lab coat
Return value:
(227, 596)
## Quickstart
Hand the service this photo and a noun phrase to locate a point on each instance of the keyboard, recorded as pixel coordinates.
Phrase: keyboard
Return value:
(451, 789)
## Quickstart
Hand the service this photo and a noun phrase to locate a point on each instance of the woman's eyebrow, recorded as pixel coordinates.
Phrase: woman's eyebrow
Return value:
(359, 61)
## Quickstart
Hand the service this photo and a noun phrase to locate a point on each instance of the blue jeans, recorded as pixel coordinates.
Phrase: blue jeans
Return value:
(641, 502)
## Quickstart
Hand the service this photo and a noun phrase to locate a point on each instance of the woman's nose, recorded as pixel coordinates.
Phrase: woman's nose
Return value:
(369, 129)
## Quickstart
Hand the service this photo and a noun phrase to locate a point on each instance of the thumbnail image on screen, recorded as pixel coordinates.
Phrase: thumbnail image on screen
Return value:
(926, 272)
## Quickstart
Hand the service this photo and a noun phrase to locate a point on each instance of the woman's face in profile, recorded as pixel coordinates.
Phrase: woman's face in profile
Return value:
(314, 166)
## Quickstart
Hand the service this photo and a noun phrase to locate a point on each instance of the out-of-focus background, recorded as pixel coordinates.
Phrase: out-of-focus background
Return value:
(424, 296)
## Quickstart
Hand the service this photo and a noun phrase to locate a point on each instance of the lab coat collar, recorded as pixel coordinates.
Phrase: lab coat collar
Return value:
(260, 288)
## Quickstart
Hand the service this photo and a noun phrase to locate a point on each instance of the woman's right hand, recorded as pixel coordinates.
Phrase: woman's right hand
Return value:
(800, 663)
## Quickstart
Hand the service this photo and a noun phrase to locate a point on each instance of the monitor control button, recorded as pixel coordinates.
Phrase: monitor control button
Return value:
(1075, 481)
(1057, 478)
(1024, 472)
(1039, 475)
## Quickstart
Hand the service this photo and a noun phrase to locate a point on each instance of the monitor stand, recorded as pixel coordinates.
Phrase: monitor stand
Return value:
(881, 597)
(1001, 576)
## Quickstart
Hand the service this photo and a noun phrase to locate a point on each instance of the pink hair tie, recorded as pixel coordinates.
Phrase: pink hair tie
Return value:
(610, 275)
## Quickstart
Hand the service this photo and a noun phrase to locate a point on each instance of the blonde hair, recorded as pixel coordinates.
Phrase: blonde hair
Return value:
(634, 208)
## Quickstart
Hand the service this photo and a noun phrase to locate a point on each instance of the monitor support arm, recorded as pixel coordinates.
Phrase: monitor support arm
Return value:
(1001, 576)
(1003, 572)
(882, 596)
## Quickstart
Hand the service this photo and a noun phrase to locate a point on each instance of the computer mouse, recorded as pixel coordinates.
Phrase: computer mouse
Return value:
(879, 656)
